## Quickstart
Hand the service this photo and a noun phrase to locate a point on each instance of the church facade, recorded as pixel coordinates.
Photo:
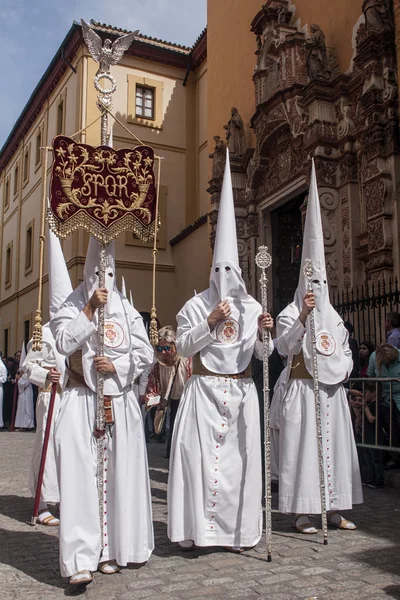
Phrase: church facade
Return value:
(327, 91)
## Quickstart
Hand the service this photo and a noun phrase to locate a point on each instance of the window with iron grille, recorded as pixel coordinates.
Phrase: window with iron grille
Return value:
(5, 343)
(60, 118)
(38, 147)
(144, 102)
(29, 247)
(27, 331)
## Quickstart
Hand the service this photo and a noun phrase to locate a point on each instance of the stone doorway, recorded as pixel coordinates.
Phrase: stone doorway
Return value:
(287, 237)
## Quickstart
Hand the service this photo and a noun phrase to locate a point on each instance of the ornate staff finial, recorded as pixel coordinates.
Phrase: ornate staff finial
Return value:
(107, 54)
(263, 258)
(308, 269)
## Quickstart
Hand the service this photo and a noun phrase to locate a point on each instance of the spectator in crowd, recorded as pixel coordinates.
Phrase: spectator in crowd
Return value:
(366, 349)
(8, 390)
(25, 414)
(168, 378)
(392, 326)
(373, 433)
(3, 379)
(385, 362)
(148, 415)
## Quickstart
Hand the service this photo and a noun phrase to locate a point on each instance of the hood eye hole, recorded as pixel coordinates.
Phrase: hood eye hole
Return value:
(96, 273)
(217, 270)
(110, 274)
(315, 280)
(324, 280)
(227, 269)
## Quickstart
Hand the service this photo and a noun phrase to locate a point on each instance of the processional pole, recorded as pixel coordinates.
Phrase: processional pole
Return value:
(87, 193)
(308, 271)
(264, 261)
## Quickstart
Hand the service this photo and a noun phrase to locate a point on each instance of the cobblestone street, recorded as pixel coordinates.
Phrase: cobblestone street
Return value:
(356, 565)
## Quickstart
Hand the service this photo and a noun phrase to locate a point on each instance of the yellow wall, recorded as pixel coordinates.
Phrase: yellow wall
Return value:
(231, 46)
(179, 135)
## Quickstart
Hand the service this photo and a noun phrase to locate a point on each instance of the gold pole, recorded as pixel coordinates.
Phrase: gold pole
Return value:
(37, 330)
(153, 315)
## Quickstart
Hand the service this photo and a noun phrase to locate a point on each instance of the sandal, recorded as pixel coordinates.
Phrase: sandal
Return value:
(47, 519)
(109, 567)
(341, 523)
(234, 549)
(81, 578)
(302, 524)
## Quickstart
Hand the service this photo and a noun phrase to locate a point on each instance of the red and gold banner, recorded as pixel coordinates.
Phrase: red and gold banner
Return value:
(102, 190)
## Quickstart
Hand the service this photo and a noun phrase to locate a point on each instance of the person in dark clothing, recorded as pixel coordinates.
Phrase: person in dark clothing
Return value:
(373, 433)
(8, 390)
(354, 350)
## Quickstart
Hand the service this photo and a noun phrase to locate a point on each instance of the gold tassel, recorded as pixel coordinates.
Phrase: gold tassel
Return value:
(37, 330)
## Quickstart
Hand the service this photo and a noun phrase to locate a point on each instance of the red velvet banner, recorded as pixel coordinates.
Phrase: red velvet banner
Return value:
(102, 190)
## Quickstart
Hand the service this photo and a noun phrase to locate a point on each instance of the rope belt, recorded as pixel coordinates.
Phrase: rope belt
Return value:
(200, 369)
(299, 369)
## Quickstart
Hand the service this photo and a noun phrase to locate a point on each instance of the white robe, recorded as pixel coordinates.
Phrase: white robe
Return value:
(128, 528)
(298, 457)
(37, 366)
(215, 482)
(25, 415)
(276, 408)
(3, 379)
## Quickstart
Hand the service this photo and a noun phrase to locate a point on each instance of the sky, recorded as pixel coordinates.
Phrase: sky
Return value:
(32, 31)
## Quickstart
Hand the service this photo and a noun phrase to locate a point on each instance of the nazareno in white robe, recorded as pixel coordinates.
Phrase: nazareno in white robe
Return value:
(3, 379)
(299, 490)
(25, 415)
(128, 528)
(215, 481)
(37, 366)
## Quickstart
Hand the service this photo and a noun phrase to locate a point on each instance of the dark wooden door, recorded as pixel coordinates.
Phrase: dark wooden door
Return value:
(287, 240)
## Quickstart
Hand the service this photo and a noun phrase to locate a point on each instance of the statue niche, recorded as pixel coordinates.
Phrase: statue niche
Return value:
(317, 57)
(235, 134)
(378, 16)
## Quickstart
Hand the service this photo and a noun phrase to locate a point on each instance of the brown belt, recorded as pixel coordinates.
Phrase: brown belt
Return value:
(200, 369)
(77, 380)
(299, 369)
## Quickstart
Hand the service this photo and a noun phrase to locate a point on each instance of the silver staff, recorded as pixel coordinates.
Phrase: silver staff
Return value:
(264, 261)
(106, 54)
(308, 271)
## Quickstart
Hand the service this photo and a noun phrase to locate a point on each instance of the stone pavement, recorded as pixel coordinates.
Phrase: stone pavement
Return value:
(360, 565)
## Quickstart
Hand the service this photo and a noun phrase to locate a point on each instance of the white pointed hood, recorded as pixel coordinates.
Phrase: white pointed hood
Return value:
(123, 287)
(332, 362)
(235, 336)
(59, 280)
(226, 276)
(130, 298)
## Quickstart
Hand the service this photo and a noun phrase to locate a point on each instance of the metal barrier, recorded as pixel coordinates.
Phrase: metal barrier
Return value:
(387, 415)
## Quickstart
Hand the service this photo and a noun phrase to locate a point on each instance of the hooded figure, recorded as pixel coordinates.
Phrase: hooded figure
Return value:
(215, 483)
(25, 415)
(128, 533)
(299, 491)
(43, 369)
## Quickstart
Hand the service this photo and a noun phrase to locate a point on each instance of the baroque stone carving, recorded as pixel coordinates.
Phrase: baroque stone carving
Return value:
(378, 16)
(219, 158)
(235, 134)
(317, 56)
